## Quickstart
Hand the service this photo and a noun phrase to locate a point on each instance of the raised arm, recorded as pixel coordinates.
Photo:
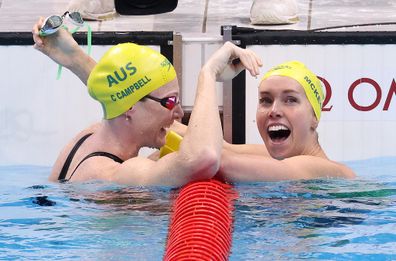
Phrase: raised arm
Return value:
(64, 50)
(201, 148)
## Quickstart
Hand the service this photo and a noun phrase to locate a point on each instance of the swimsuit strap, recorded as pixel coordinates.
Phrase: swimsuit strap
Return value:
(69, 159)
(94, 154)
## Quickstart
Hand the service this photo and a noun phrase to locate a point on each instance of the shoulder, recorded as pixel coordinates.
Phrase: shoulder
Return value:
(345, 171)
(96, 167)
(319, 167)
(66, 150)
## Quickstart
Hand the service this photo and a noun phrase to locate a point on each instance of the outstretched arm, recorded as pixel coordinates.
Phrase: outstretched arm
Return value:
(64, 50)
(251, 149)
(254, 168)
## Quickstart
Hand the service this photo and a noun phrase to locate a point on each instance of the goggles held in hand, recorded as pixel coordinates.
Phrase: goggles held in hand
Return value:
(54, 22)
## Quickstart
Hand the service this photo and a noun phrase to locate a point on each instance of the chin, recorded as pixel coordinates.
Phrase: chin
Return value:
(279, 150)
(157, 143)
(161, 142)
(278, 153)
(278, 156)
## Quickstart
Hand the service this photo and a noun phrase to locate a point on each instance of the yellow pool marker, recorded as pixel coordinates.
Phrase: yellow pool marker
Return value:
(172, 143)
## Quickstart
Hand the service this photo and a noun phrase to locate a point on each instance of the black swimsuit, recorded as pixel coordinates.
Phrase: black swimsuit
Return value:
(65, 168)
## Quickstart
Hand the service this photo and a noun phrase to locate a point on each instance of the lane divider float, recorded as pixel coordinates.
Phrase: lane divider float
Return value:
(201, 220)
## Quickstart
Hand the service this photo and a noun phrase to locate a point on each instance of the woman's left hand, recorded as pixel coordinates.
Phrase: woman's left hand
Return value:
(230, 60)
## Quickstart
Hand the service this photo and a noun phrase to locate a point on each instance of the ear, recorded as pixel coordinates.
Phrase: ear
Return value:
(128, 114)
(314, 123)
(132, 109)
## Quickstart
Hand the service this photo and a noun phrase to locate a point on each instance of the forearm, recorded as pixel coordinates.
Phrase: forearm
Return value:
(82, 65)
(202, 142)
(179, 128)
(233, 169)
(204, 128)
(250, 149)
(254, 168)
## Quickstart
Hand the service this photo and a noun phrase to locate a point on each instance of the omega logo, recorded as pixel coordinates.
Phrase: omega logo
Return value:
(369, 83)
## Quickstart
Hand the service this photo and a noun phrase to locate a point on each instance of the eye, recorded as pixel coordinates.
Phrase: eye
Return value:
(169, 102)
(291, 100)
(265, 101)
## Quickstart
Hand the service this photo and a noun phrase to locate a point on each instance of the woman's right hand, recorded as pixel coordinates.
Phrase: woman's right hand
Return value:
(60, 46)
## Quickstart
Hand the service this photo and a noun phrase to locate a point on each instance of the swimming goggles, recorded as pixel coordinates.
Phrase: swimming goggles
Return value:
(54, 22)
(167, 102)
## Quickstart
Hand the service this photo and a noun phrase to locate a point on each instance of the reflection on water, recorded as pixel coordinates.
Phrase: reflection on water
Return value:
(93, 221)
(318, 219)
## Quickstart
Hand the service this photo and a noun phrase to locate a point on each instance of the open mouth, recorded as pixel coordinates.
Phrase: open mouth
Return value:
(278, 133)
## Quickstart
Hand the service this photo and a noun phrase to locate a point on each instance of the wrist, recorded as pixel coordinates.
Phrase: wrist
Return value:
(207, 72)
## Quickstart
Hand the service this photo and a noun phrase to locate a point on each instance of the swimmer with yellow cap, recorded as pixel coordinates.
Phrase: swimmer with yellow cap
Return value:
(125, 74)
(138, 112)
(289, 109)
(138, 91)
(290, 98)
(306, 78)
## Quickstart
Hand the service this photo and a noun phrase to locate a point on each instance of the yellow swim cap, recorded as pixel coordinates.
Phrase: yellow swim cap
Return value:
(308, 80)
(125, 74)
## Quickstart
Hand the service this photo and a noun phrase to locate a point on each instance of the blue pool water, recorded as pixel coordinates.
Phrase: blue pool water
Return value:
(298, 220)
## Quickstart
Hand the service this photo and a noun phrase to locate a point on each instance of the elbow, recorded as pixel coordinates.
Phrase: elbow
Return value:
(224, 162)
(205, 165)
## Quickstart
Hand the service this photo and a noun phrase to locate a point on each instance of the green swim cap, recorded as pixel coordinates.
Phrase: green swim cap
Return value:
(307, 79)
(125, 74)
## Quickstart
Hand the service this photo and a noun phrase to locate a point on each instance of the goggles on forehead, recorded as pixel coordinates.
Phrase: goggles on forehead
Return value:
(167, 102)
(54, 22)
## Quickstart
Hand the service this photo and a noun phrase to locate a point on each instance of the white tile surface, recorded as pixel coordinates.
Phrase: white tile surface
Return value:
(189, 16)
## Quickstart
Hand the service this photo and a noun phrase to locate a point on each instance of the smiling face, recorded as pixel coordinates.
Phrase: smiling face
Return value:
(155, 118)
(285, 118)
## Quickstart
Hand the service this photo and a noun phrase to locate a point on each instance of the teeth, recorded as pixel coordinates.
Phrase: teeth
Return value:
(277, 128)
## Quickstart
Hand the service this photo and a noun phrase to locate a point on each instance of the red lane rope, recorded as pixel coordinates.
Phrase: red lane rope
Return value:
(201, 222)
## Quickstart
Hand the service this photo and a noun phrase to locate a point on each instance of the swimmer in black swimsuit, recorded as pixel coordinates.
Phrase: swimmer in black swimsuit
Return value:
(65, 168)
(139, 94)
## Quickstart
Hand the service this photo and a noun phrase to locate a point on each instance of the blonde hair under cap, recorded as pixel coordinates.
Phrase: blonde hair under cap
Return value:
(125, 74)
(307, 79)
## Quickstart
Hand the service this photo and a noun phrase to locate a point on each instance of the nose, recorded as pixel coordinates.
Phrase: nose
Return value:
(275, 111)
(178, 112)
